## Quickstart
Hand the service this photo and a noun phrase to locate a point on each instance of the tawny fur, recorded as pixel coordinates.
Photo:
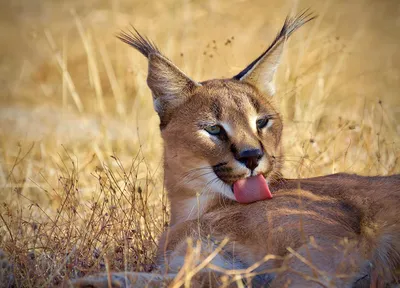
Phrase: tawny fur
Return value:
(346, 226)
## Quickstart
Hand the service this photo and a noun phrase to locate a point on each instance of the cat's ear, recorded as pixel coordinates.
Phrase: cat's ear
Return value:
(169, 85)
(261, 71)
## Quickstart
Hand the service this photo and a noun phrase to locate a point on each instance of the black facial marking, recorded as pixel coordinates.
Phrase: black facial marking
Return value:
(220, 165)
(216, 109)
(254, 102)
(224, 169)
(234, 149)
(223, 136)
(261, 146)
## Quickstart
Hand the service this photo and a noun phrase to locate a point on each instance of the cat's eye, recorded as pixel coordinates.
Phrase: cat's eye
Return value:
(261, 123)
(214, 129)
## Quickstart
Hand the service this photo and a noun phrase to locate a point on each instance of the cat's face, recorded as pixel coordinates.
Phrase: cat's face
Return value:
(219, 134)
(226, 131)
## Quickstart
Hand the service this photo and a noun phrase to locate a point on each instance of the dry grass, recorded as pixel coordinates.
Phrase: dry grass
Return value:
(80, 172)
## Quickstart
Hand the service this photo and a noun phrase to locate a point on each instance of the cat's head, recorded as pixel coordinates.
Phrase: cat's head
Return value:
(219, 134)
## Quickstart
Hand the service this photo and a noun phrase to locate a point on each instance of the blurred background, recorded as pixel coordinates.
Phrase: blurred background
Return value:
(76, 114)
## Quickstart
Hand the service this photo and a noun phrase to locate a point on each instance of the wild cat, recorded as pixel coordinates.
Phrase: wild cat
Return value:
(222, 160)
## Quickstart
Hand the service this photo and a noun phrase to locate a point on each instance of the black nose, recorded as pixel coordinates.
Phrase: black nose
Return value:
(250, 158)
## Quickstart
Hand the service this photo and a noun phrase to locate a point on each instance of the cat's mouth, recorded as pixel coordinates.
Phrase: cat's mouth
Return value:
(245, 189)
(251, 189)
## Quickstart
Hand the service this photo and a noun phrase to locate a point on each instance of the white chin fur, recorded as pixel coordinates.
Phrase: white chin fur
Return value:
(218, 186)
(193, 205)
(208, 185)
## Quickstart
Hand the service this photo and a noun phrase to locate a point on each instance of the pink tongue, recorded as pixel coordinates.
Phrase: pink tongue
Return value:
(251, 189)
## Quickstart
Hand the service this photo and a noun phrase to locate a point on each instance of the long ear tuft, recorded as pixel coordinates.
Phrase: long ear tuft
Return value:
(260, 72)
(139, 42)
(169, 85)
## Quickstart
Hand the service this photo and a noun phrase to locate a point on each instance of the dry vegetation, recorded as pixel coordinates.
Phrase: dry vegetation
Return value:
(81, 164)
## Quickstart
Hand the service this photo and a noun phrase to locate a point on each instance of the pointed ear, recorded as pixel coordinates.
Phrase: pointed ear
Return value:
(260, 72)
(169, 85)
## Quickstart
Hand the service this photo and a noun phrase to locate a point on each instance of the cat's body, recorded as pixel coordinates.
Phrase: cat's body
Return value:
(222, 146)
(362, 210)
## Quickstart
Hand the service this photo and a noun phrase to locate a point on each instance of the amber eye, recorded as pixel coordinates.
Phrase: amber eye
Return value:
(214, 130)
(261, 123)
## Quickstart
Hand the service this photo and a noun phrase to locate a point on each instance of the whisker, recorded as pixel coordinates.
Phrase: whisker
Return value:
(185, 181)
(196, 169)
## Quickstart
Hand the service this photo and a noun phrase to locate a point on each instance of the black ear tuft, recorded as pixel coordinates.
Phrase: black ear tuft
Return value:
(139, 42)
